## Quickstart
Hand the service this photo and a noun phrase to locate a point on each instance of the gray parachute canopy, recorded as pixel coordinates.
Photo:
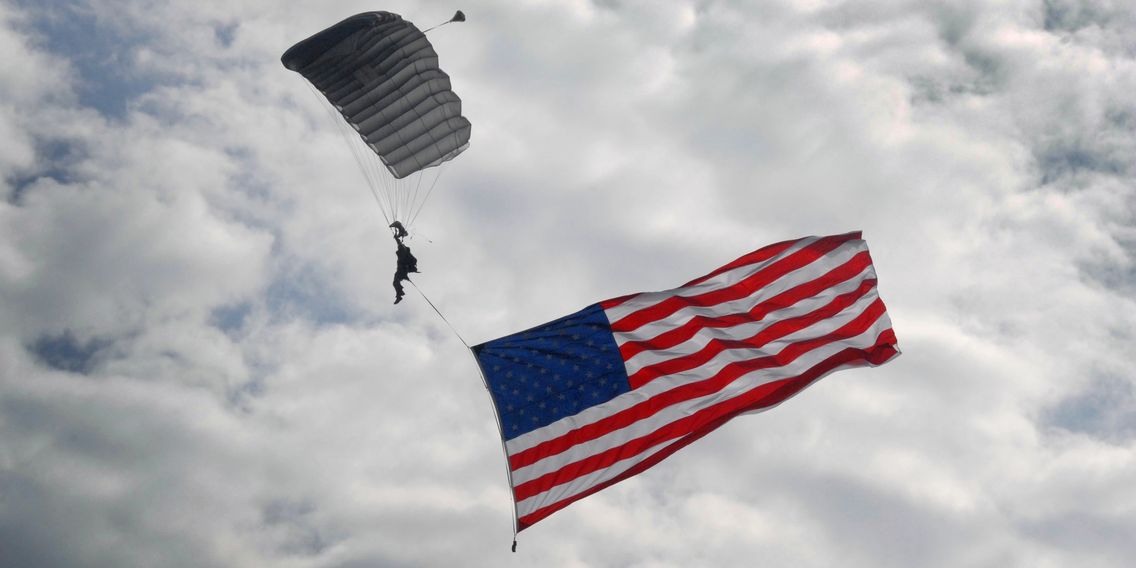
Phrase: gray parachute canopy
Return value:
(381, 73)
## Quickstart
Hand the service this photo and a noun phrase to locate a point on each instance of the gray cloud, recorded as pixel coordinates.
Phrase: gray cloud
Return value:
(200, 365)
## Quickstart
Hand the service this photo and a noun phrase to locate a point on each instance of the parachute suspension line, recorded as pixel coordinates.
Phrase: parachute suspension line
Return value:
(412, 197)
(408, 196)
(374, 179)
(377, 178)
(441, 166)
(484, 383)
(383, 182)
(341, 128)
(390, 184)
(429, 191)
(406, 193)
(360, 159)
(396, 201)
(377, 181)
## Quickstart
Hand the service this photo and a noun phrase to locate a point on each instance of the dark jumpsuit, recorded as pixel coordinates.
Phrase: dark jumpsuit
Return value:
(406, 263)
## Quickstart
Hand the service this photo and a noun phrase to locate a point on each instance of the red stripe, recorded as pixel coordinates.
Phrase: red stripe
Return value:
(759, 255)
(759, 398)
(607, 457)
(617, 301)
(741, 289)
(689, 391)
(774, 331)
(683, 332)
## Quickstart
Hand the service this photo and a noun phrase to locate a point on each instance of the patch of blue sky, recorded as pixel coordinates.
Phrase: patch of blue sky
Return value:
(101, 53)
(304, 292)
(66, 352)
(54, 158)
(295, 522)
(231, 318)
(1105, 410)
(226, 33)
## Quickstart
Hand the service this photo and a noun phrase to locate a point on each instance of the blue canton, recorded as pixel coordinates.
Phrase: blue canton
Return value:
(553, 370)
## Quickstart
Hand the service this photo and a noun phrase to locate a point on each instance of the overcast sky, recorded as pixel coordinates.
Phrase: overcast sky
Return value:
(200, 364)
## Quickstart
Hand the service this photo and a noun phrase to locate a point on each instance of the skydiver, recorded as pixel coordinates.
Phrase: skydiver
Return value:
(406, 263)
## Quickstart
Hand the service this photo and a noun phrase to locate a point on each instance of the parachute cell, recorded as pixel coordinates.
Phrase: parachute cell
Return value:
(381, 73)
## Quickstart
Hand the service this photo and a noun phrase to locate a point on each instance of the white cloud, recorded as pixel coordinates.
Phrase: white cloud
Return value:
(199, 363)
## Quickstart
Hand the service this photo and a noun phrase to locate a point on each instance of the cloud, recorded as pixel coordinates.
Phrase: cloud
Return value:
(200, 365)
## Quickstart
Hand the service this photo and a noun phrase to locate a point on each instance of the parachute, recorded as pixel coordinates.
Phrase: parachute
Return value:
(381, 77)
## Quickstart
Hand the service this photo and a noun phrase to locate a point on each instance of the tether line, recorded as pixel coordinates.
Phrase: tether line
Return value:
(439, 312)
(492, 403)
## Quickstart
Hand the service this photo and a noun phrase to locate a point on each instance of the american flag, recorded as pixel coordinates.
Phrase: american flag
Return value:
(603, 394)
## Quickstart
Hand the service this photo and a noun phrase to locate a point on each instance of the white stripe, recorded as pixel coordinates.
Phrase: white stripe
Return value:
(724, 280)
(748, 329)
(849, 365)
(667, 382)
(584, 483)
(818, 329)
(738, 387)
(807, 273)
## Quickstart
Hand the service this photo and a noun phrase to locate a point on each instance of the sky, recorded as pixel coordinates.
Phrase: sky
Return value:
(200, 363)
